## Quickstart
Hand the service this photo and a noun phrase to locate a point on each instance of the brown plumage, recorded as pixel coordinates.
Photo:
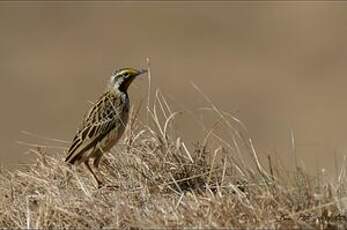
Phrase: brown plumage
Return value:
(105, 122)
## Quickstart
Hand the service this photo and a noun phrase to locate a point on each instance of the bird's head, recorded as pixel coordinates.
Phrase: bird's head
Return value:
(122, 78)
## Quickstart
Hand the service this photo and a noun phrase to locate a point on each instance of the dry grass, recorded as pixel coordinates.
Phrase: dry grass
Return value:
(158, 181)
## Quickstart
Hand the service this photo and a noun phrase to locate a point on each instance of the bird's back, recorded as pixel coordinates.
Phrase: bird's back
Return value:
(101, 126)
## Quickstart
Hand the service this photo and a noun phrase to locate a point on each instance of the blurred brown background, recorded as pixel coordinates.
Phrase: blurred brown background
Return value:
(278, 66)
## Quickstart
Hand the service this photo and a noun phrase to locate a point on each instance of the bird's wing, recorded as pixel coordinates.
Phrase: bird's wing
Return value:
(97, 123)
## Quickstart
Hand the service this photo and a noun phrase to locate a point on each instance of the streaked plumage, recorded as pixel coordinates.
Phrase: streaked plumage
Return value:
(104, 123)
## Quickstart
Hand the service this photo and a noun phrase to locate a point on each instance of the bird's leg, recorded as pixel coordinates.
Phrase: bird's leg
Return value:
(100, 184)
(98, 156)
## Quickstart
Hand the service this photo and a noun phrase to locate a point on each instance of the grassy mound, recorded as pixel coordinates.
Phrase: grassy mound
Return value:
(157, 181)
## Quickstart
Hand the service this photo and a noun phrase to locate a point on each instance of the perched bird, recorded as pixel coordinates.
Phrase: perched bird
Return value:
(104, 123)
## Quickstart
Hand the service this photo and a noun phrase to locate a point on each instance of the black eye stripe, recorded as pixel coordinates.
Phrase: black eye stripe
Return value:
(123, 74)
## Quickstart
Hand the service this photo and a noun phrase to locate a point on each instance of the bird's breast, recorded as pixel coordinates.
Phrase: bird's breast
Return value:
(121, 121)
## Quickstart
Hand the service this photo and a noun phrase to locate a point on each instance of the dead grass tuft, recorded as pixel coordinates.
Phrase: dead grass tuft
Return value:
(158, 181)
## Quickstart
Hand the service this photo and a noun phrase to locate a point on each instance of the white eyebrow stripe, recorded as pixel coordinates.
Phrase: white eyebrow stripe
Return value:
(126, 72)
(122, 72)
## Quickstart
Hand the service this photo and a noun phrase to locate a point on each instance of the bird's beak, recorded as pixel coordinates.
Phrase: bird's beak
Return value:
(142, 71)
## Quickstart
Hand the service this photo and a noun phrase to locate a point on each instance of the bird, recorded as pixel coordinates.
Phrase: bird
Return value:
(105, 122)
